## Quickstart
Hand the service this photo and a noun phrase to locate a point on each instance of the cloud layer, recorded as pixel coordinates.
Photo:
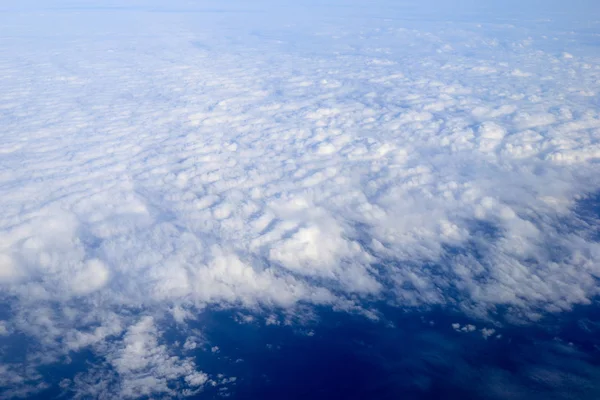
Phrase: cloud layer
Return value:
(153, 164)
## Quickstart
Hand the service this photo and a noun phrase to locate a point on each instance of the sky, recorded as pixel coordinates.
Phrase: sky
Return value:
(174, 173)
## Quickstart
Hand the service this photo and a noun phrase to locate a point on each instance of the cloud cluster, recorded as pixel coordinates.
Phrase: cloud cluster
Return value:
(142, 367)
(440, 165)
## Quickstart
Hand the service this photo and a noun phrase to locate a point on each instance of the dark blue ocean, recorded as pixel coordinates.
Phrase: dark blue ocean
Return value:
(406, 355)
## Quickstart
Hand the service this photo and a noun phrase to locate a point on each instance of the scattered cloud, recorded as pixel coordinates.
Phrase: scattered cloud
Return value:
(144, 180)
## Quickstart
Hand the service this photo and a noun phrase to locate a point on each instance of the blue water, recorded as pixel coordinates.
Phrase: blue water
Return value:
(421, 357)
(405, 355)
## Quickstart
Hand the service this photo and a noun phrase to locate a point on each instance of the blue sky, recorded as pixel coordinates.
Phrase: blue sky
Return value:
(160, 159)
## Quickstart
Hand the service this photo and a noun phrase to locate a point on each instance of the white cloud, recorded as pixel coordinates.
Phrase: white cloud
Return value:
(487, 332)
(168, 177)
(8, 270)
(93, 277)
(4, 330)
(143, 366)
(465, 328)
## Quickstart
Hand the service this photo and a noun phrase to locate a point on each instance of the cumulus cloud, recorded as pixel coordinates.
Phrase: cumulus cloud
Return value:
(169, 176)
(140, 365)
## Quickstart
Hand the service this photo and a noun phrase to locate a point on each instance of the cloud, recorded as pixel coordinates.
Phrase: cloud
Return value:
(145, 367)
(93, 277)
(140, 365)
(158, 177)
